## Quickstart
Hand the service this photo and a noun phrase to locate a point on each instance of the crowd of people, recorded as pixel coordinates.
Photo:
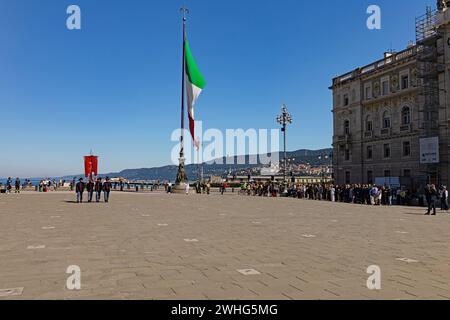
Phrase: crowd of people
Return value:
(98, 187)
(47, 185)
(43, 186)
(356, 194)
(199, 187)
(360, 194)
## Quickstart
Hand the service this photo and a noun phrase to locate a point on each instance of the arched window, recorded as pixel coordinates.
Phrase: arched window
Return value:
(369, 124)
(386, 120)
(346, 127)
(406, 116)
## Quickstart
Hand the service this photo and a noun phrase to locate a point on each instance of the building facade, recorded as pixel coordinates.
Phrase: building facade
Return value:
(391, 118)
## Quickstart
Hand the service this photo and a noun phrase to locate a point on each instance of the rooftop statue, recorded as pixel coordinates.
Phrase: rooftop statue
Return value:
(443, 4)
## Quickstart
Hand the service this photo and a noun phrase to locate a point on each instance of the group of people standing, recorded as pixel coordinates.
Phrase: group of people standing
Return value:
(367, 194)
(98, 187)
(435, 197)
(43, 185)
(9, 185)
(358, 194)
(205, 187)
(50, 185)
(200, 187)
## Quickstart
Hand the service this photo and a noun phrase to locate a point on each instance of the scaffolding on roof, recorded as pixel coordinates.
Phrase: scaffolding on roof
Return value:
(426, 25)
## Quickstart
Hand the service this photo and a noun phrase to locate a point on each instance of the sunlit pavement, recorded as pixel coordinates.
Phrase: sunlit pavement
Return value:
(159, 246)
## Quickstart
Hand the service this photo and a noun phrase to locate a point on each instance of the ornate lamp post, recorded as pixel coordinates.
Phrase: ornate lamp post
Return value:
(284, 119)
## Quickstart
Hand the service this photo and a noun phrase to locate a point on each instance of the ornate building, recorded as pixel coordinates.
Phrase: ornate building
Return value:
(391, 117)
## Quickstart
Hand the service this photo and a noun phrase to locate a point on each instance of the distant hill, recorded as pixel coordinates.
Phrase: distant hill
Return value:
(170, 172)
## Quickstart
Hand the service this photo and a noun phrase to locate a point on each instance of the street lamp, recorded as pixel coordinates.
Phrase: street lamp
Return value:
(326, 157)
(291, 163)
(284, 119)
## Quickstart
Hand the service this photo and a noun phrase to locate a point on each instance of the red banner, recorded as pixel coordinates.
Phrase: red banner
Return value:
(90, 165)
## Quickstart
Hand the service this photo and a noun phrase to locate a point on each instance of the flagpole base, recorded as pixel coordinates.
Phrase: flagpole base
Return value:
(181, 180)
(179, 188)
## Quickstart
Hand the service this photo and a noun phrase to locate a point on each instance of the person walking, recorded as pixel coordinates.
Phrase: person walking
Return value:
(107, 189)
(433, 197)
(17, 185)
(72, 183)
(79, 189)
(388, 196)
(444, 199)
(90, 189)
(187, 187)
(224, 188)
(98, 189)
(428, 195)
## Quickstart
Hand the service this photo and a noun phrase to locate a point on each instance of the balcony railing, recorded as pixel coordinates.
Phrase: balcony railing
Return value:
(368, 134)
(386, 132)
(406, 128)
(395, 57)
(344, 138)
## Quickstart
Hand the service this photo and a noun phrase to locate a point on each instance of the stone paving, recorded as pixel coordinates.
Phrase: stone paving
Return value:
(159, 246)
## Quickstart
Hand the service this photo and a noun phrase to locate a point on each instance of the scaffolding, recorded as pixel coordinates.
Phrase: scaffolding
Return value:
(426, 25)
(429, 65)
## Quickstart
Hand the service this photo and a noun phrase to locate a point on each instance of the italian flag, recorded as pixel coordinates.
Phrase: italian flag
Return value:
(194, 86)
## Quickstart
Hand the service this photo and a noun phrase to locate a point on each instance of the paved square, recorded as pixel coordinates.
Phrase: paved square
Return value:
(158, 246)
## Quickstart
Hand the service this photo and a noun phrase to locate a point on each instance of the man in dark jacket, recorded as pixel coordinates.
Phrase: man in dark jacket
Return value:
(17, 185)
(98, 189)
(432, 197)
(106, 189)
(90, 189)
(79, 189)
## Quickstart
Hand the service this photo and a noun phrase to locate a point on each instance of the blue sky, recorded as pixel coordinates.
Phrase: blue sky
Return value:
(114, 86)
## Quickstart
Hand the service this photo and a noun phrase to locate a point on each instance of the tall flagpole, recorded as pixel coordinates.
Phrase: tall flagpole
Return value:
(184, 11)
(181, 179)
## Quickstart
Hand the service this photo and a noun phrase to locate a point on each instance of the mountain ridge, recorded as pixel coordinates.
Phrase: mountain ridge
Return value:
(168, 172)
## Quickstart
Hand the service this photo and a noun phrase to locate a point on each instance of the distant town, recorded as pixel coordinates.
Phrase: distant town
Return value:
(311, 163)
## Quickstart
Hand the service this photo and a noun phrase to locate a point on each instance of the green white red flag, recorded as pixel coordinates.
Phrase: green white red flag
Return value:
(194, 86)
